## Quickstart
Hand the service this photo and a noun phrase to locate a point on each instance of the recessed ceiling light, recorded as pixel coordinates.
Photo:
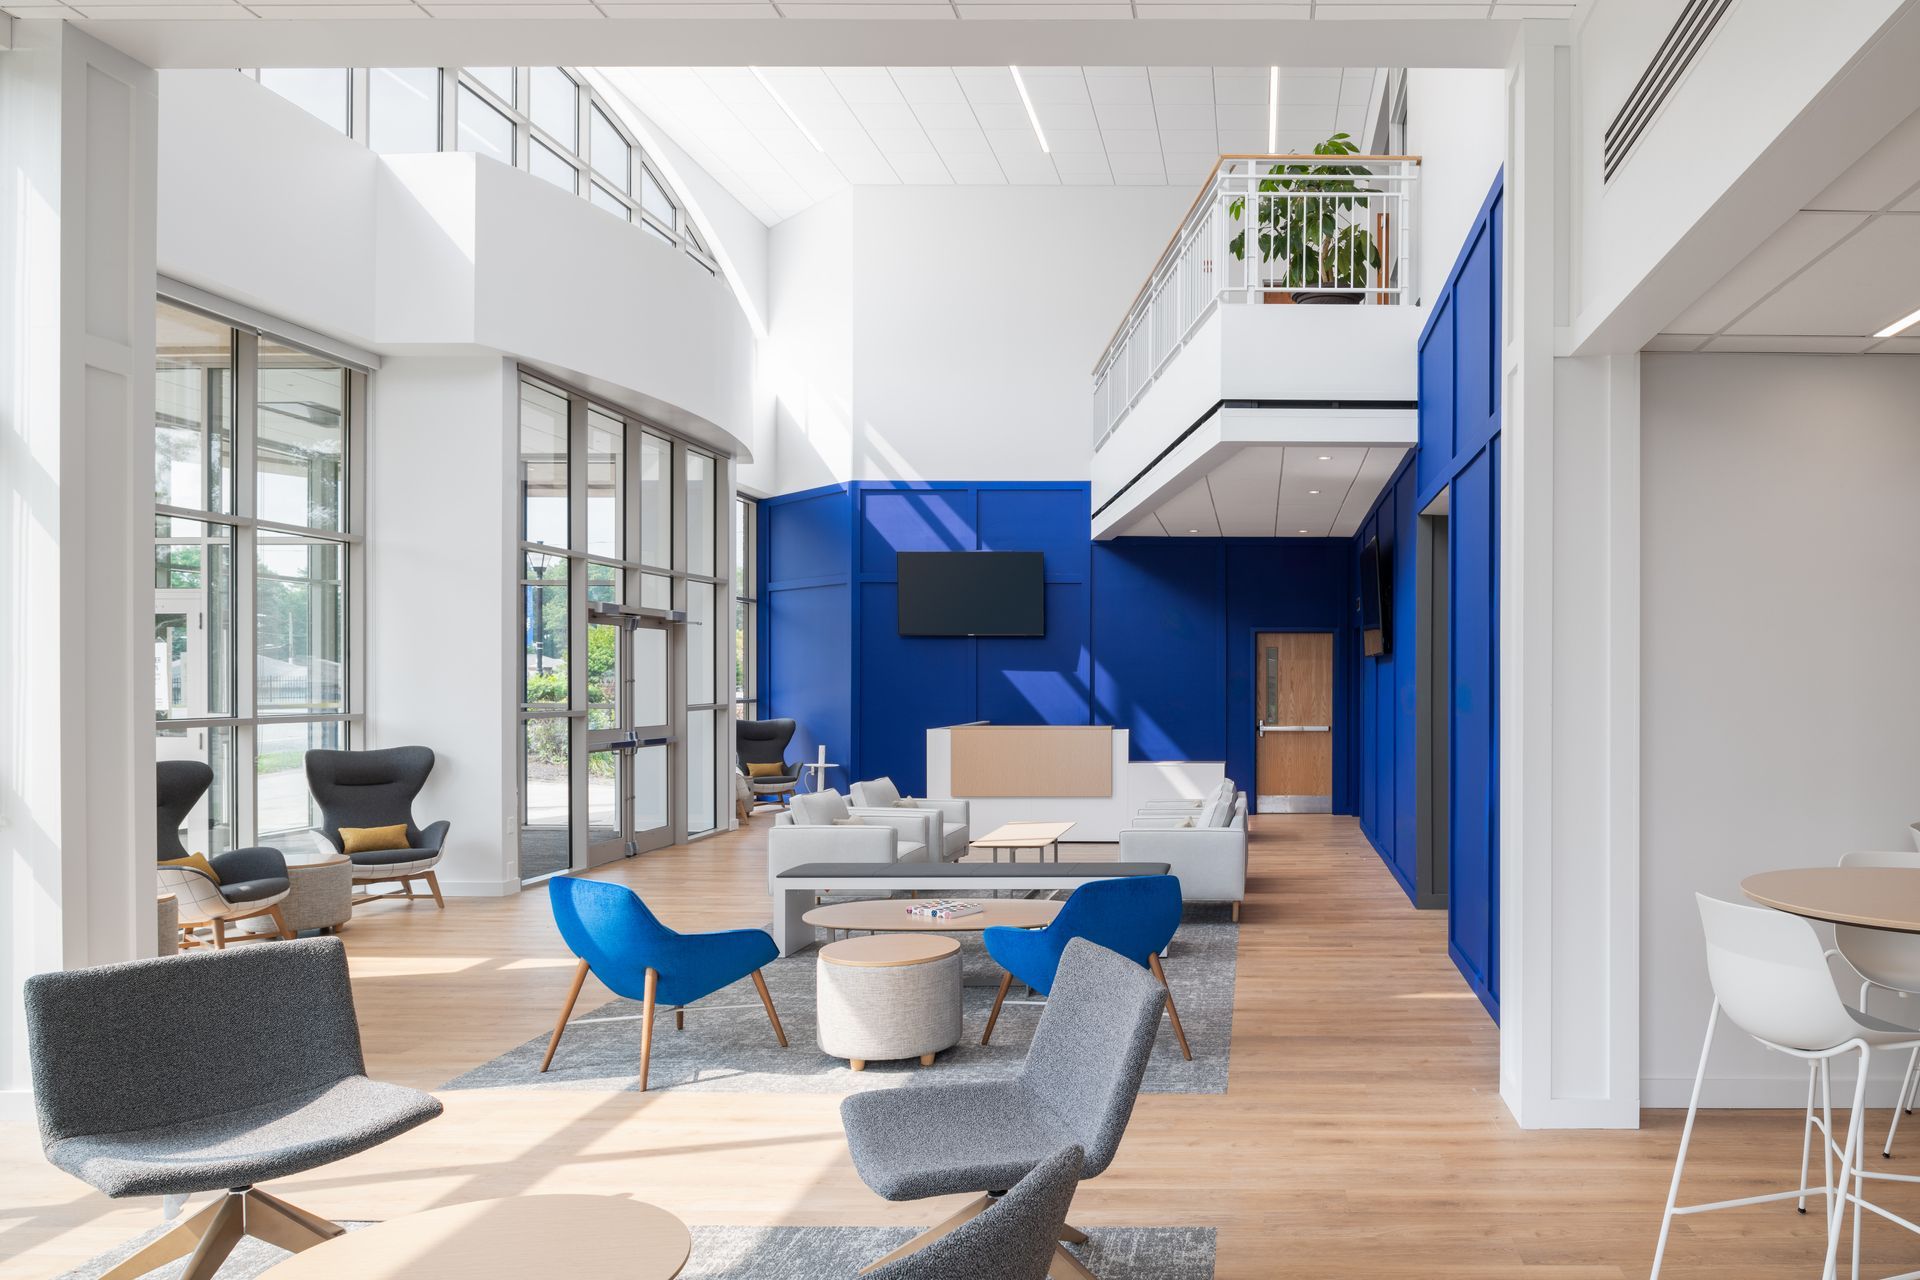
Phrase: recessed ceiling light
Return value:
(1273, 110)
(1032, 117)
(797, 122)
(1193, 531)
(1906, 322)
(1313, 491)
(1326, 457)
(1303, 531)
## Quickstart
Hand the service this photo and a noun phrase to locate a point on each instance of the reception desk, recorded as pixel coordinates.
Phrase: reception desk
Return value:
(1056, 773)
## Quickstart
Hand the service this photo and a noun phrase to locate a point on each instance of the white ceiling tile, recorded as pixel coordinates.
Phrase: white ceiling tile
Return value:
(1138, 141)
(902, 141)
(957, 142)
(1184, 117)
(1889, 169)
(1241, 118)
(1241, 90)
(1136, 164)
(1030, 171)
(1190, 512)
(1861, 285)
(871, 88)
(324, 12)
(1013, 142)
(1227, 12)
(975, 170)
(1243, 142)
(945, 115)
(1155, 179)
(1126, 116)
(988, 84)
(1820, 343)
(1374, 472)
(1117, 90)
(1179, 90)
(926, 85)
(1190, 140)
(535, 11)
(885, 115)
(1246, 492)
(1397, 12)
(925, 169)
(1804, 237)
(1187, 168)
(1081, 163)
(1051, 87)
(1002, 115)
(1084, 142)
(938, 12)
(1897, 347)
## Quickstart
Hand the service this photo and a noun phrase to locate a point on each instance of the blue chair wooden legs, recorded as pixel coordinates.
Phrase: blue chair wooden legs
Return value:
(1153, 963)
(648, 1005)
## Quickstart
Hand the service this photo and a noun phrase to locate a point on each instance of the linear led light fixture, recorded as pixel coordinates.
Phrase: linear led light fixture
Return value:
(797, 122)
(1905, 322)
(1273, 110)
(1032, 118)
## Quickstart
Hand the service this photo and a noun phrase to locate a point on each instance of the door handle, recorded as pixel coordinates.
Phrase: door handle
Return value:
(1296, 728)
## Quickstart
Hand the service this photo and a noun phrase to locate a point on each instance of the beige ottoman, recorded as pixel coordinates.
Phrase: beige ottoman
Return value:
(167, 932)
(888, 996)
(319, 896)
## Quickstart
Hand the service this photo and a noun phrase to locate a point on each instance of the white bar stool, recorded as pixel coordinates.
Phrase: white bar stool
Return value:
(1888, 960)
(1770, 977)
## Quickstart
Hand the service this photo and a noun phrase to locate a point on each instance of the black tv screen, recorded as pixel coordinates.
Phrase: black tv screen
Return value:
(972, 593)
(1375, 577)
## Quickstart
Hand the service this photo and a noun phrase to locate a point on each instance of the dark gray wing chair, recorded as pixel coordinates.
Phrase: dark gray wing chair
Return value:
(210, 1071)
(1017, 1239)
(1076, 1088)
(377, 789)
(252, 882)
(766, 742)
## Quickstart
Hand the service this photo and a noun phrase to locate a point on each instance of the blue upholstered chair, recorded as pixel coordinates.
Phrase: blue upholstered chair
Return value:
(1135, 917)
(624, 945)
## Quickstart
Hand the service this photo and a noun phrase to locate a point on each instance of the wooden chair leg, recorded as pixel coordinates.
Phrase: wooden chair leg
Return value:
(1173, 1011)
(280, 923)
(433, 883)
(1072, 1234)
(175, 1244)
(1236, 913)
(964, 1215)
(646, 1025)
(679, 1018)
(766, 998)
(566, 1011)
(1067, 1267)
(223, 1232)
(272, 1219)
(1006, 983)
(219, 934)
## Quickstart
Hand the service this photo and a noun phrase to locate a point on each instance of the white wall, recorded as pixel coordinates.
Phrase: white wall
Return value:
(1457, 124)
(440, 459)
(966, 320)
(261, 203)
(1781, 601)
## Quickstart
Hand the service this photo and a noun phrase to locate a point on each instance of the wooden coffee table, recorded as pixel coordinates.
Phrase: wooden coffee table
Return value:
(1015, 836)
(890, 915)
(522, 1238)
(1870, 897)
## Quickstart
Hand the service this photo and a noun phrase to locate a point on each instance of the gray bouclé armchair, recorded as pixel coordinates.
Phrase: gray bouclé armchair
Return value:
(209, 1071)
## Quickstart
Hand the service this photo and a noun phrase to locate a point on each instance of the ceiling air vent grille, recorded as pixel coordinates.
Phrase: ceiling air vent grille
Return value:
(1670, 62)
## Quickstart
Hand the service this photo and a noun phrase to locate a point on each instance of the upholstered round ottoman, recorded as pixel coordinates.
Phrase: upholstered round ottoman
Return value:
(320, 894)
(888, 996)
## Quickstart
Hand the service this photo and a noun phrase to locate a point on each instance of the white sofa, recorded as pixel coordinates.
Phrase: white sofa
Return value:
(880, 793)
(806, 832)
(1205, 847)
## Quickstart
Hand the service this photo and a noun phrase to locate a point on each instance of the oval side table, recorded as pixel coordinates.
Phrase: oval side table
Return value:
(888, 996)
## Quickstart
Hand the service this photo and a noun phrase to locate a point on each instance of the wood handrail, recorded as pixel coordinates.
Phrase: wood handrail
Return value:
(1200, 195)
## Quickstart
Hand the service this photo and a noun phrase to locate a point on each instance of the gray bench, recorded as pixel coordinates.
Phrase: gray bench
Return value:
(795, 888)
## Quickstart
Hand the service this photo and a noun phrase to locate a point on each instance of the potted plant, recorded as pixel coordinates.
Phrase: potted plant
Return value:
(1304, 225)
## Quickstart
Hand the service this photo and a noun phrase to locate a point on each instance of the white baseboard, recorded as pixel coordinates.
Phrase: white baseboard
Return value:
(1782, 1093)
(479, 888)
(16, 1107)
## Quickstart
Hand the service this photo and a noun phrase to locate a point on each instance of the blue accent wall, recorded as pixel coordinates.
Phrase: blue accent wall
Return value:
(1459, 365)
(1155, 635)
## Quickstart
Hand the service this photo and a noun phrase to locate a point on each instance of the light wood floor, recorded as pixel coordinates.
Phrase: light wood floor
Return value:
(1361, 1134)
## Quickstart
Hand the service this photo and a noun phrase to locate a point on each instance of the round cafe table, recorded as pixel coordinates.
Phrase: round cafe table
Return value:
(1871, 897)
(522, 1238)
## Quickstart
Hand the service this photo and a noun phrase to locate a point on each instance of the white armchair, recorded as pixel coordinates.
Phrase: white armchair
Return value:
(955, 819)
(807, 832)
(1205, 850)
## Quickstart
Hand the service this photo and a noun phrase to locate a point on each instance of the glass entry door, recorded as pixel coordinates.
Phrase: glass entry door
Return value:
(629, 735)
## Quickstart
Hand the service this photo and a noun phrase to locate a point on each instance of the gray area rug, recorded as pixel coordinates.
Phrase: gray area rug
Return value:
(729, 1048)
(800, 1253)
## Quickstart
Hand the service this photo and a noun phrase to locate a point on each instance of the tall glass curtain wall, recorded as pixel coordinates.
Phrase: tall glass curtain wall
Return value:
(614, 512)
(546, 120)
(256, 568)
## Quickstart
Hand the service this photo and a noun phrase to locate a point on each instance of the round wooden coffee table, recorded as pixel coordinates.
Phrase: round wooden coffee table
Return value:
(1871, 897)
(522, 1238)
(890, 915)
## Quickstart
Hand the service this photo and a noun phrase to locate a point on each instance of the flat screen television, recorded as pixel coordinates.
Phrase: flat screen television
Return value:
(1376, 574)
(972, 593)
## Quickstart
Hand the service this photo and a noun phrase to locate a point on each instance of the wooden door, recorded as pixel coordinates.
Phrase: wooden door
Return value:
(1293, 688)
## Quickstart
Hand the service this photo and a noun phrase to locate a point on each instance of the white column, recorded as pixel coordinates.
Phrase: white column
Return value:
(1569, 654)
(443, 607)
(77, 146)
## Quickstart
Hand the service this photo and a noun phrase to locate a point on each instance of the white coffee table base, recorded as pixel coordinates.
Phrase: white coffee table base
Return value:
(888, 996)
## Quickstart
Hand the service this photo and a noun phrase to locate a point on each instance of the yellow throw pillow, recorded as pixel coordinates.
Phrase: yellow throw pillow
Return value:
(195, 862)
(766, 771)
(373, 839)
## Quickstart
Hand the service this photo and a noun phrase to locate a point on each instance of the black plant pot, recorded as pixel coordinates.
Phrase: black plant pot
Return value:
(1310, 299)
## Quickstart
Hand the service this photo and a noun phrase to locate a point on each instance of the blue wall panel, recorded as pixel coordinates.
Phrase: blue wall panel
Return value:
(918, 519)
(1160, 644)
(1385, 788)
(1474, 917)
(1039, 679)
(1434, 458)
(811, 680)
(812, 541)
(1052, 521)
(907, 685)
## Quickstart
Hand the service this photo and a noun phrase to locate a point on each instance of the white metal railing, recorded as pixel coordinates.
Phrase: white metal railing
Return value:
(1296, 228)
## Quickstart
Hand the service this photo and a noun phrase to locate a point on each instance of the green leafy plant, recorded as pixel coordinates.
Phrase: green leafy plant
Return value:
(1304, 221)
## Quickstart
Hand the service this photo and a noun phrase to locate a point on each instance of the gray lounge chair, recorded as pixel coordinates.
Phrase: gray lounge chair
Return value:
(1014, 1240)
(377, 789)
(210, 1071)
(1077, 1087)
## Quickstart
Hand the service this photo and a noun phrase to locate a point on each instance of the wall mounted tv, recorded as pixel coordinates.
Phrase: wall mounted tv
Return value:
(972, 593)
(1376, 580)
